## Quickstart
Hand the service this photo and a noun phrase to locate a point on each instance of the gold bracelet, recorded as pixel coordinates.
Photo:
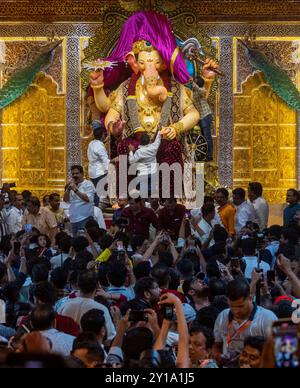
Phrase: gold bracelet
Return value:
(179, 127)
(97, 86)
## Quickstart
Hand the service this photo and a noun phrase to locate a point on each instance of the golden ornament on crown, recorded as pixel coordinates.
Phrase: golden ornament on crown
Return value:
(142, 45)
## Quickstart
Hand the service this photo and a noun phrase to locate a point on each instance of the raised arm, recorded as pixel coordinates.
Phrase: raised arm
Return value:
(285, 265)
(102, 102)
(183, 360)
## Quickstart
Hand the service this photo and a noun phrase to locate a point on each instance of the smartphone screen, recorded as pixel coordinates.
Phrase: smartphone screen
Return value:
(28, 228)
(81, 232)
(120, 246)
(286, 345)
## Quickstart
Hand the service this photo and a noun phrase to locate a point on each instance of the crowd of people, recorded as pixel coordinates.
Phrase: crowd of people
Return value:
(162, 286)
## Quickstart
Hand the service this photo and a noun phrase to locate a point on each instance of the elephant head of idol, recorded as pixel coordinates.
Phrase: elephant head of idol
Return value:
(145, 60)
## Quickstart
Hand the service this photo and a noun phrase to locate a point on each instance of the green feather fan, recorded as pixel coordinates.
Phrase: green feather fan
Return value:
(20, 80)
(277, 78)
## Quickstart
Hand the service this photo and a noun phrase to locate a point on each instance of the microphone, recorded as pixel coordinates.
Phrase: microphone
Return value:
(191, 50)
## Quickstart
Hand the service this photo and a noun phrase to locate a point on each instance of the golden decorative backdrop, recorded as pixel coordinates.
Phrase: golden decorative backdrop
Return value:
(34, 139)
(265, 140)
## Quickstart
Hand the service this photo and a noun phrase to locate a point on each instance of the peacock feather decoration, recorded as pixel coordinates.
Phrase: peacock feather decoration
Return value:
(276, 77)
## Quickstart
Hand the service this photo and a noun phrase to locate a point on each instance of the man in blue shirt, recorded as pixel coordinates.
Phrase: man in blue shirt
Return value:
(290, 211)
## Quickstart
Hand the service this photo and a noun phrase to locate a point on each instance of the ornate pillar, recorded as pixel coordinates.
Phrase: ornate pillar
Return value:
(73, 102)
(225, 148)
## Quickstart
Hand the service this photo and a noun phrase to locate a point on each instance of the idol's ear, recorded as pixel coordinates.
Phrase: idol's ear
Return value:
(130, 58)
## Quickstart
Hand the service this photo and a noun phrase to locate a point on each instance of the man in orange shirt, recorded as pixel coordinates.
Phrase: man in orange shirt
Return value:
(226, 210)
(40, 218)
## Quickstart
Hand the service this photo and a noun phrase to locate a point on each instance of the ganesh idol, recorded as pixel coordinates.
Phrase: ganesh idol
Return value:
(149, 88)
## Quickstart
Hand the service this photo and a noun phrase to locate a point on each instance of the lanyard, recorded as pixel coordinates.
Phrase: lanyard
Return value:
(238, 332)
(242, 328)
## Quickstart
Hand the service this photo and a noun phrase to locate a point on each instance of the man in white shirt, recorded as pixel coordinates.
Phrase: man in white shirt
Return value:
(80, 194)
(15, 215)
(255, 192)
(204, 230)
(98, 158)
(43, 319)
(251, 259)
(64, 246)
(242, 320)
(145, 158)
(273, 236)
(98, 214)
(245, 211)
(76, 307)
(196, 214)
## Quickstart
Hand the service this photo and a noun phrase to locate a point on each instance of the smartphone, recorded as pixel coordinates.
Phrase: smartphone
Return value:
(17, 248)
(271, 276)
(136, 316)
(120, 246)
(28, 228)
(286, 344)
(168, 312)
(260, 270)
(188, 215)
(122, 257)
(81, 232)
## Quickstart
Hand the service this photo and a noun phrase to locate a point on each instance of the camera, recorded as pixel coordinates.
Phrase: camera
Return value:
(136, 316)
(168, 312)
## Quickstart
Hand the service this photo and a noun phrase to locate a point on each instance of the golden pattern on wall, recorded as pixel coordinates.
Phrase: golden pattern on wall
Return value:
(34, 139)
(92, 10)
(265, 139)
